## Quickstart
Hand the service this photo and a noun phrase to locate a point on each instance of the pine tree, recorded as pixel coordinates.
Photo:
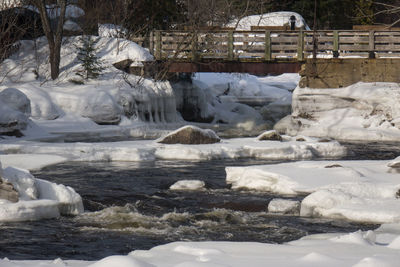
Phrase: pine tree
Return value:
(91, 64)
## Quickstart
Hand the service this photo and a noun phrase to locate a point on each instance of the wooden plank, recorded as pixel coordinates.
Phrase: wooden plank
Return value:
(309, 47)
(285, 47)
(350, 48)
(335, 44)
(393, 48)
(354, 39)
(371, 41)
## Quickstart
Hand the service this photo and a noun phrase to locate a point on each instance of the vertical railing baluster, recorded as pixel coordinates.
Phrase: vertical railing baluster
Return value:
(268, 46)
(371, 49)
(158, 52)
(335, 44)
(300, 46)
(230, 45)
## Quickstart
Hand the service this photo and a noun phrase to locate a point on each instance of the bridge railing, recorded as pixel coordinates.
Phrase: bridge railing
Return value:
(272, 45)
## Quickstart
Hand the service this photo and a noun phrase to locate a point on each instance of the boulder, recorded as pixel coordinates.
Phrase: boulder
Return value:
(270, 136)
(7, 191)
(190, 135)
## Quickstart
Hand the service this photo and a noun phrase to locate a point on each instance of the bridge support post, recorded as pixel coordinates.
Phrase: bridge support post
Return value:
(230, 45)
(300, 46)
(267, 55)
(194, 47)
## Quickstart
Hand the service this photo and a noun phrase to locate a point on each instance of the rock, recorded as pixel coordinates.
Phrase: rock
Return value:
(270, 136)
(12, 122)
(394, 163)
(7, 191)
(190, 135)
(188, 185)
(300, 139)
(16, 100)
(284, 206)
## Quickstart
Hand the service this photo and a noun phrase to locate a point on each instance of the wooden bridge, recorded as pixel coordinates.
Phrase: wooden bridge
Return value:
(265, 51)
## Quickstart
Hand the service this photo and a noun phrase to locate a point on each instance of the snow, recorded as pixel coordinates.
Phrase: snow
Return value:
(394, 163)
(111, 30)
(284, 206)
(363, 111)
(269, 19)
(362, 191)
(38, 199)
(149, 150)
(188, 185)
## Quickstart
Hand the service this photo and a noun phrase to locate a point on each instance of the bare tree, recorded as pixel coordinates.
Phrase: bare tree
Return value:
(53, 35)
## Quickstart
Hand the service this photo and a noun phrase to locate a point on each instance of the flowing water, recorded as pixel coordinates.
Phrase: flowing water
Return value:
(129, 206)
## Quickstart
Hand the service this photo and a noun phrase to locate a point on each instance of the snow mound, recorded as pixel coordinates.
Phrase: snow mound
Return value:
(362, 111)
(38, 199)
(120, 261)
(188, 185)
(394, 163)
(269, 19)
(190, 135)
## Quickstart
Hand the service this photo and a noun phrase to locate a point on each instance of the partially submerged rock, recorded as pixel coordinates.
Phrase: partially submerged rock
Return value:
(188, 185)
(7, 191)
(191, 135)
(284, 206)
(270, 136)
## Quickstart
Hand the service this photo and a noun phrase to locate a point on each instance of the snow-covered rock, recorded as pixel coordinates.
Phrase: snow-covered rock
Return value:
(17, 100)
(191, 135)
(188, 185)
(363, 111)
(11, 121)
(362, 191)
(38, 199)
(394, 163)
(284, 206)
(281, 18)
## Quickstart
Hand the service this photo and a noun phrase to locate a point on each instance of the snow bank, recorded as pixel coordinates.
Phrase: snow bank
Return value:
(14, 110)
(38, 199)
(363, 191)
(363, 111)
(148, 150)
(269, 19)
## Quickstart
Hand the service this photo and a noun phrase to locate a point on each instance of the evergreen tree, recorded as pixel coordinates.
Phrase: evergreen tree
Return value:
(91, 64)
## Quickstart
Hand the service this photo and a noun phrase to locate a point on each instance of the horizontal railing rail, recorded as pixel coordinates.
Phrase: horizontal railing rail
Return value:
(267, 45)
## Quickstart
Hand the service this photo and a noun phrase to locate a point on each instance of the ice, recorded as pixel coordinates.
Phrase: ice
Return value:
(188, 185)
(120, 261)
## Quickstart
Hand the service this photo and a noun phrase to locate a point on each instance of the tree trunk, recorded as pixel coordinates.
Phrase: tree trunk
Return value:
(54, 39)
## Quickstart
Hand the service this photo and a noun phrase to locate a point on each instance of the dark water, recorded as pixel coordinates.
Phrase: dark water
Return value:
(129, 206)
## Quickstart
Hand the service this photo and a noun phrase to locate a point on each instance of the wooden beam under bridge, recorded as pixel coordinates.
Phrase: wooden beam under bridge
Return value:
(257, 68)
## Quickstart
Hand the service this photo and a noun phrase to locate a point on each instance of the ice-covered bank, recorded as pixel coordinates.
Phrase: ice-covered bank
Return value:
(37, 199)
(363, 191)
(148, 150)
(372, 248)
(363, 111)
